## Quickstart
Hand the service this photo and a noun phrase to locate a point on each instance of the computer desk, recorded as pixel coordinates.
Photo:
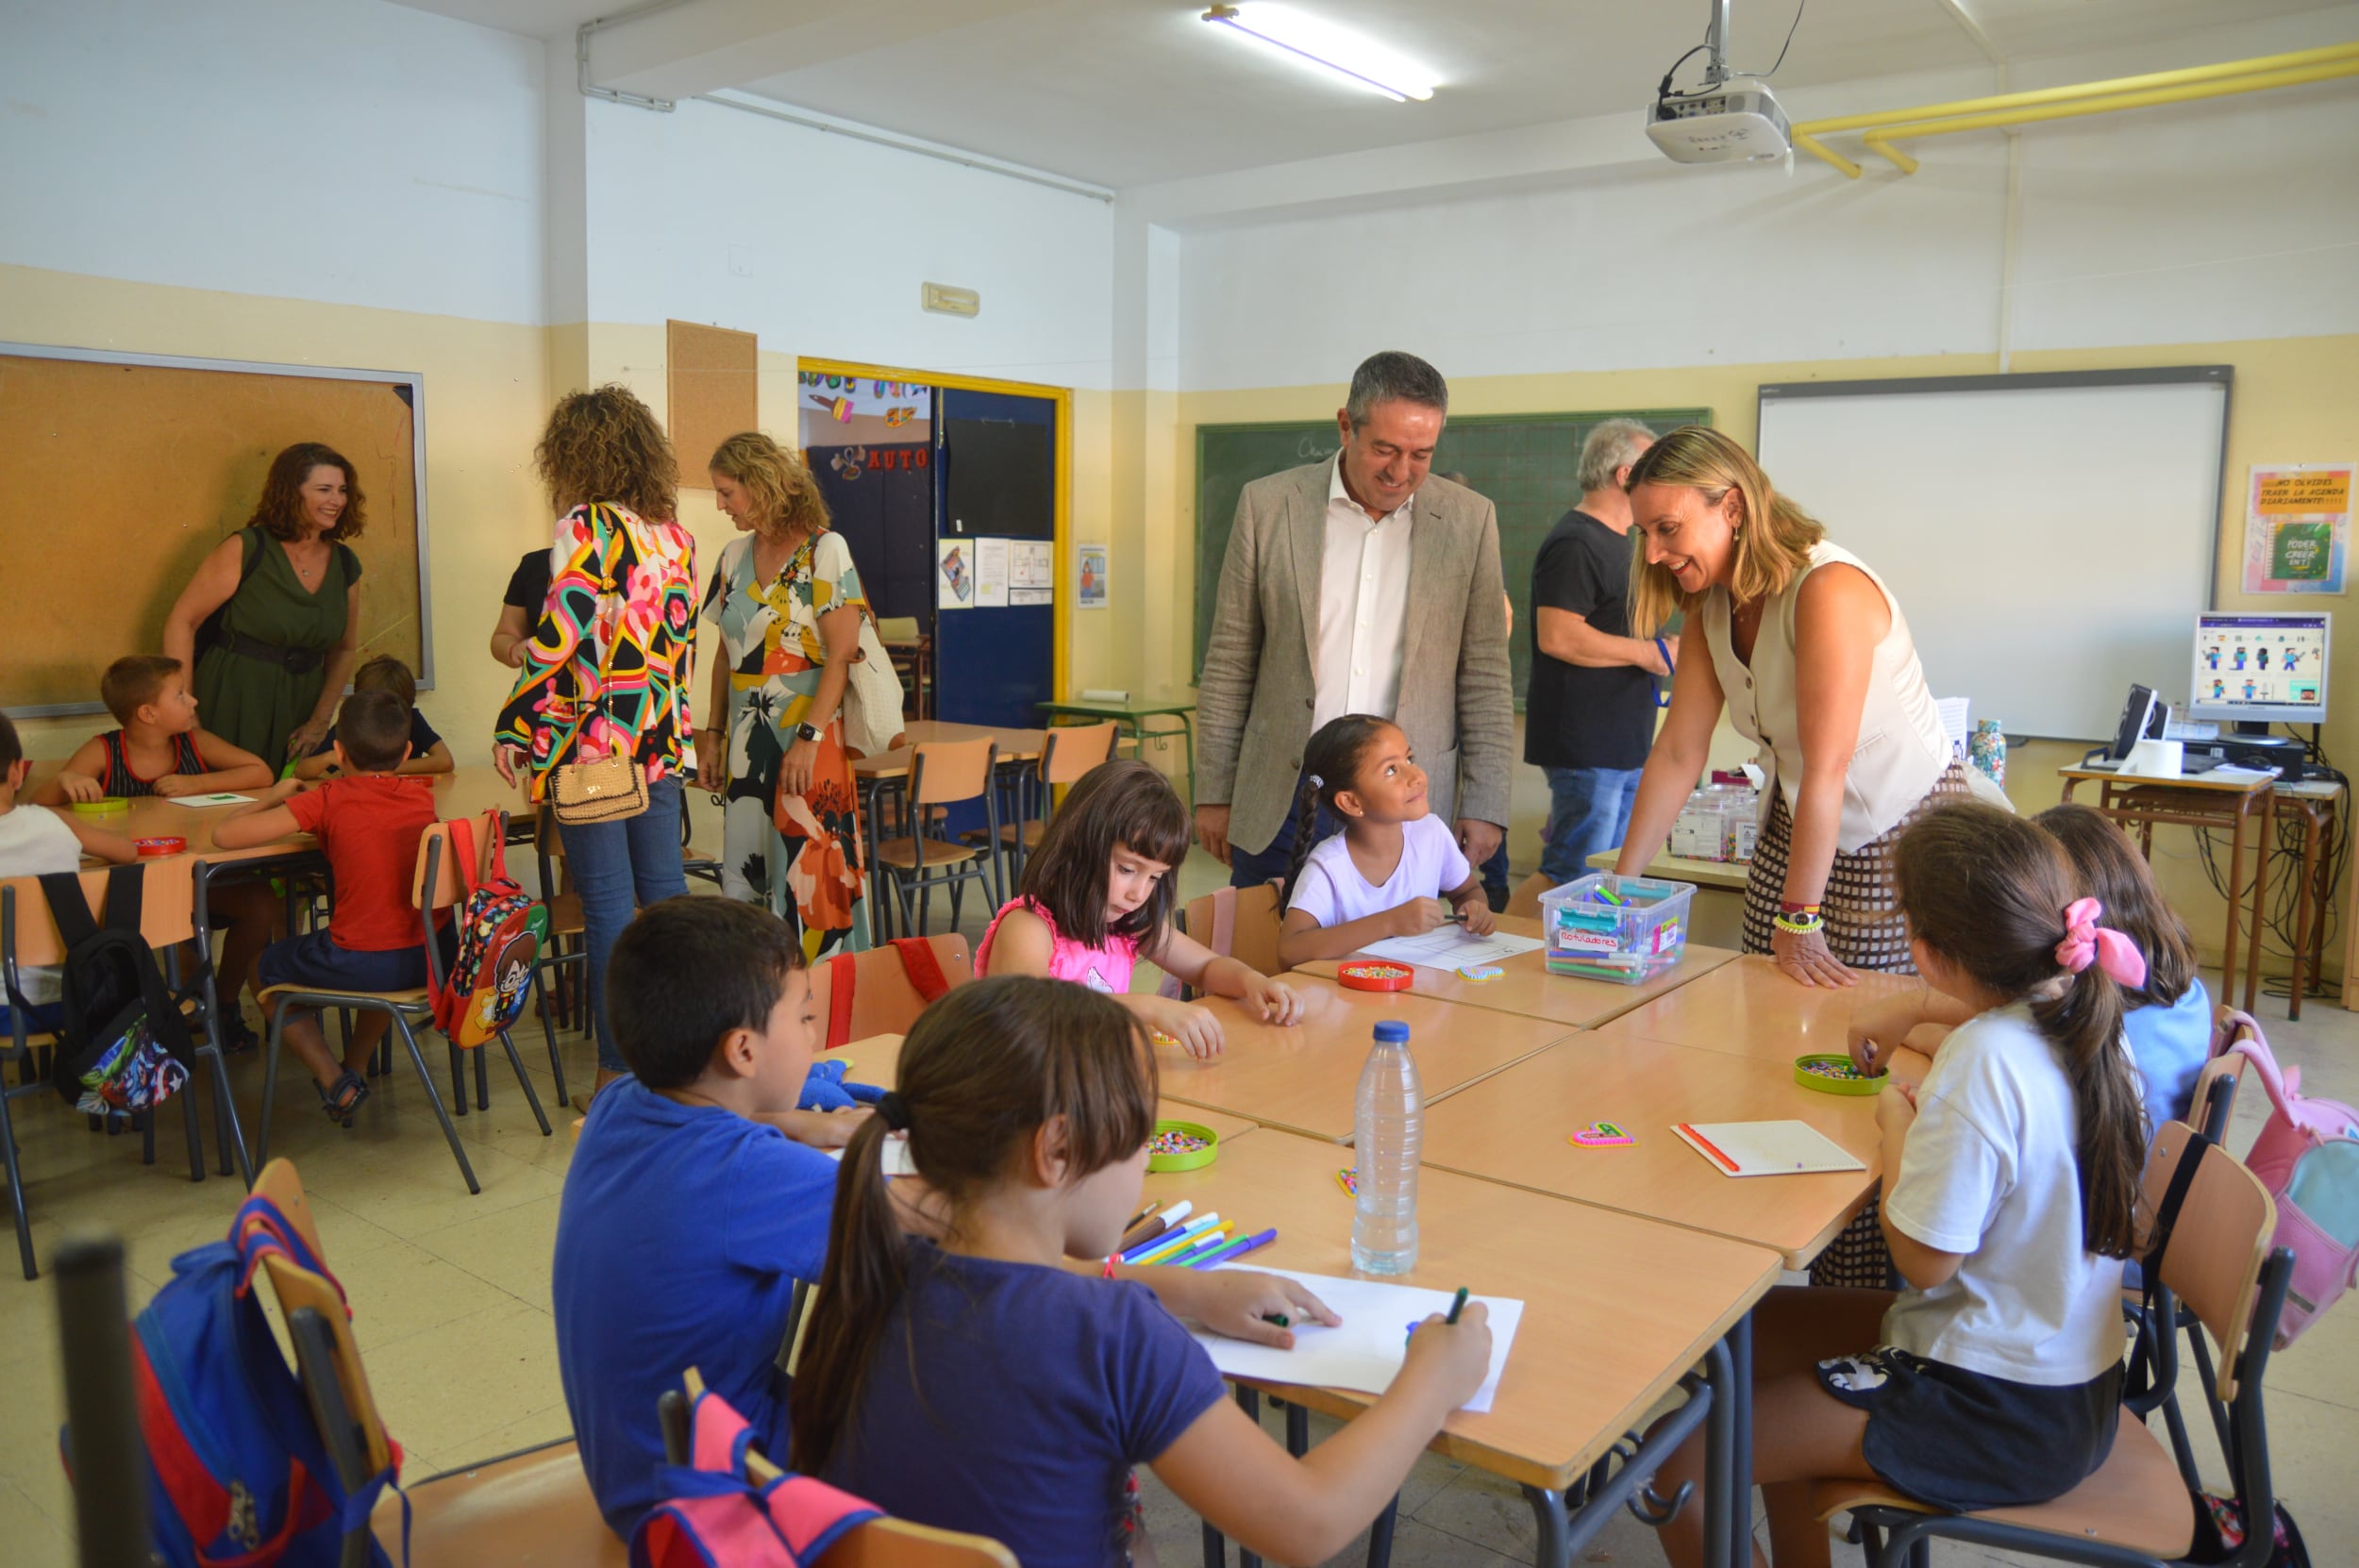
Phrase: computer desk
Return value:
(2140, 805)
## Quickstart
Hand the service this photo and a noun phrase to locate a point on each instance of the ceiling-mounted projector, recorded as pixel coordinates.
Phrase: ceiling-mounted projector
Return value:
(1733, 122)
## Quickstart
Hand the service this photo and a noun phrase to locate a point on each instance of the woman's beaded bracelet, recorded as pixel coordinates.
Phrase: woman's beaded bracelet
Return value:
(1801, 926)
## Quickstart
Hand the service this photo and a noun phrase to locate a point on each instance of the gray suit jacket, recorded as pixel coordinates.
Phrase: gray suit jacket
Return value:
(1255, 699)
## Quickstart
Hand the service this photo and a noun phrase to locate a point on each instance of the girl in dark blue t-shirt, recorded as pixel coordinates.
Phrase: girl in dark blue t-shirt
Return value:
(993, 1382)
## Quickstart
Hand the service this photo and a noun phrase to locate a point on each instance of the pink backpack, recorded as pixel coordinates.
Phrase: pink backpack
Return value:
(2307, 1156)
(716, 1516)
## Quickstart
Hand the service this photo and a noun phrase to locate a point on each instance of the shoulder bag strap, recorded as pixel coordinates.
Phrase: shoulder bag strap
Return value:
(841, 970)
(68, 907)
(919, 963)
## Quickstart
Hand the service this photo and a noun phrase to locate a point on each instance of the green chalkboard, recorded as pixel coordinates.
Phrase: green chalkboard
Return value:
(1524, 463)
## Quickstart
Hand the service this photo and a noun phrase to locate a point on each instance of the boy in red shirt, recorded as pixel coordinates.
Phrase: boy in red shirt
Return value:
(368, 822)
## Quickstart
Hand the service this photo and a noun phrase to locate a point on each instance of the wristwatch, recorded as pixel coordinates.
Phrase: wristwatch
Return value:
(805, 732)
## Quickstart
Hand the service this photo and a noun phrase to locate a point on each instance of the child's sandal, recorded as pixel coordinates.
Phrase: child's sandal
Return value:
(343, 1098)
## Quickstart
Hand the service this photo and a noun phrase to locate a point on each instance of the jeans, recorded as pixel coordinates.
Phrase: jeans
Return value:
(1588, 810)
(619, 868)
(1250, 868)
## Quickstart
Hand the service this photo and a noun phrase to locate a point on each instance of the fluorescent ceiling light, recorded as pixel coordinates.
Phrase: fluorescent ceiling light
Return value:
(1329, 47)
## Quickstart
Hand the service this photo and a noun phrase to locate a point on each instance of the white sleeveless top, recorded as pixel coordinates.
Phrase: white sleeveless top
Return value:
(1901, 749)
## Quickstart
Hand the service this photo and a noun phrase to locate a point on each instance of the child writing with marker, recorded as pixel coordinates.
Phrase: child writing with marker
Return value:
(991, 1383)
(1994, 1379)
(1396, 870)
(1097, 898)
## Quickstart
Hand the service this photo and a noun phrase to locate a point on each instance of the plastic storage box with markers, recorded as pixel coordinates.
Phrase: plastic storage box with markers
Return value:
(1605, 927)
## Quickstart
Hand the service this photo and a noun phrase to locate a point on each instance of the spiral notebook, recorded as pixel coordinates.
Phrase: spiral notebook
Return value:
(1765, 1148)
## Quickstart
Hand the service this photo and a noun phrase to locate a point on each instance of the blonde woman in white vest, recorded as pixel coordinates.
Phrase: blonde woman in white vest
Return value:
(1811, 658)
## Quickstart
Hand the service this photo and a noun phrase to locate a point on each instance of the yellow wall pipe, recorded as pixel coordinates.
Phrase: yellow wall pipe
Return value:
(2083, 90)
(1880, 140)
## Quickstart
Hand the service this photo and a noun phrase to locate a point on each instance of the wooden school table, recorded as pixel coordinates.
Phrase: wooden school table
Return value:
(877, 1060)
(1131, 714)
(1752, 1009)
(1618, 1310)
(1525, 986)
(1516, 1128)
(1305, 1078)
(2320, 803)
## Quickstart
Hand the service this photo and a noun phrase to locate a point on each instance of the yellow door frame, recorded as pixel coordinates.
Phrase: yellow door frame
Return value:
(1060, 633)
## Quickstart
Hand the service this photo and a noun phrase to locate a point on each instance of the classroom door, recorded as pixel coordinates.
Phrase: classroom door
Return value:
(996, 472)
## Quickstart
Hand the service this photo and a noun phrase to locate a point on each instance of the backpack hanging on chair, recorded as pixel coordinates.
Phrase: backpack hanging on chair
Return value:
(501, 931)
(716, 1515)
(2307, 1156)
(124, 1048)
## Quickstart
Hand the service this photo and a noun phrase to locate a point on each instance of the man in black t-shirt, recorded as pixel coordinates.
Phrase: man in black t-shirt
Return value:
(1589, 713)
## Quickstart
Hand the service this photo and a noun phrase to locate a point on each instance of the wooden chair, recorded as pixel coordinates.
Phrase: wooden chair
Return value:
(29, 939)
(878, 1543)
(2136, 1511)
(528, 1508)
(943, 772)
(1238, 923)
(1069, 751)
(884, 1000)
(435, 887)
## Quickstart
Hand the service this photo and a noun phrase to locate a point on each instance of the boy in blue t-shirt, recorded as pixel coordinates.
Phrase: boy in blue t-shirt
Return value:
(687, 1218)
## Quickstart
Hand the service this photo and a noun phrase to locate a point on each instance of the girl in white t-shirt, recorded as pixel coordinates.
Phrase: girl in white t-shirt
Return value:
(2011, 1182)
(1391, 869)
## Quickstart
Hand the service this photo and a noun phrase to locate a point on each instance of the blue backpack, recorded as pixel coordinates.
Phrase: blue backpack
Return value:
(238, 1474)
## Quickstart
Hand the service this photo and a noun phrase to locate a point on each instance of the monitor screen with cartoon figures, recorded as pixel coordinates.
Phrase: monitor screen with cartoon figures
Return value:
(2255, 667)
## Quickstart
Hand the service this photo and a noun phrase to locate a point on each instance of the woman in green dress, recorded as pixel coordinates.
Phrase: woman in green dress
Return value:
(288, 589)
(787, 601)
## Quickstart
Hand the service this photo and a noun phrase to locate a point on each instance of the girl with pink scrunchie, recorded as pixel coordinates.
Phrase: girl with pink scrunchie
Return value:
(2011, 1178)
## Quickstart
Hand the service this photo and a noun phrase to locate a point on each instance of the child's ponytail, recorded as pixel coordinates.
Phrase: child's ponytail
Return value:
(1996, 896)
(983, 1070)
(1331, 764)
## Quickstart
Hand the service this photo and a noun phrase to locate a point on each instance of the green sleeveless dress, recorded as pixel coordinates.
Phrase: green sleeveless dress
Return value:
(255, 704)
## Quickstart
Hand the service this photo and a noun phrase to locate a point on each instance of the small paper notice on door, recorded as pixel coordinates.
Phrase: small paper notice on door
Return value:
(991, 574)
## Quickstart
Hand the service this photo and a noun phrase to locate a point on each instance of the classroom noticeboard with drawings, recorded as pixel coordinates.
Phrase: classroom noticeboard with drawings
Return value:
(2297, 528)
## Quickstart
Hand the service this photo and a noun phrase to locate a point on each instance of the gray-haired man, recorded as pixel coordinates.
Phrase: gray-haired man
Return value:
(1589, 712)
(1318, 618)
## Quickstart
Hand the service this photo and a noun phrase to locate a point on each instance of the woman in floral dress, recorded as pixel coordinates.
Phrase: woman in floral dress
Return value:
(787, 602)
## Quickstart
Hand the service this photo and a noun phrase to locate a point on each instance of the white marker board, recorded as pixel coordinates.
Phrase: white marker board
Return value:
(2050, 538)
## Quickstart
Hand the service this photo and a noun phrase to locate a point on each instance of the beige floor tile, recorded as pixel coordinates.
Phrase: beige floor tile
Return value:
(30, 1535)
(551, 1425)
(405, 1289)
(509, 1247)
(448, 1388)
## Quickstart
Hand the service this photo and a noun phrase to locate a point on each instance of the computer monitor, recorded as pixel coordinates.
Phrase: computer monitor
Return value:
(2253, 668)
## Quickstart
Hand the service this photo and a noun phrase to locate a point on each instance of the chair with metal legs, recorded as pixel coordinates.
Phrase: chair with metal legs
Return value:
(943, 772)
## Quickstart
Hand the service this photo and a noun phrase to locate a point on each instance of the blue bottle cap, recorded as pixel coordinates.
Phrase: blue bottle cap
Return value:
(1392, 1032)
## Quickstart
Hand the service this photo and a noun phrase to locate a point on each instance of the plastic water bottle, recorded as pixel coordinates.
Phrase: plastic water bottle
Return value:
(1386, 1133)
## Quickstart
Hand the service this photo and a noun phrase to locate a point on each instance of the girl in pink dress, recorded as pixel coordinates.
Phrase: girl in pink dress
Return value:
(1097, 896)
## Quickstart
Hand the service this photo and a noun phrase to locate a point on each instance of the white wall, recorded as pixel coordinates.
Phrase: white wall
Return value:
(819, 243)
(337, 150)
(2232, 219)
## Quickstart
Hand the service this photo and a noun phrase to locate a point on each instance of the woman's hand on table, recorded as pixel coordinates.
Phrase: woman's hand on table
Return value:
(307, 737)
(1807, 959)
(796, 766)
(1238, 1304)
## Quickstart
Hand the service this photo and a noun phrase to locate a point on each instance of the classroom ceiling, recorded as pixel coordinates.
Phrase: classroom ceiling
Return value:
(1126, 92)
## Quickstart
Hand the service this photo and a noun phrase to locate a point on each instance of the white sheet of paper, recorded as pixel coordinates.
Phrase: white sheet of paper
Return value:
(223, 798)
(991, 574)
(1451, 947)
(1030, 565)
(1031, 595)
(1769, 1148)
(895, 1155)
(1365, 1351)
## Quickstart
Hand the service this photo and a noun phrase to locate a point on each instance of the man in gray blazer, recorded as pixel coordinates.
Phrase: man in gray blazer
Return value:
(1357, 585)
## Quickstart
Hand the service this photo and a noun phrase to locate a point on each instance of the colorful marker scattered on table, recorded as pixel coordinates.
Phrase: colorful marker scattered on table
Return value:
(1237, 1248)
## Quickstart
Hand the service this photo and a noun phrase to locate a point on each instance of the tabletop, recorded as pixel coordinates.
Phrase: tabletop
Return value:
(1525, 986)
(1752, 1009)
(1722, 876)
(1139, 708)
(1515, 1128)
(877, 1060)
(1617, 1308)
(463, 793)
(1016, 746)
(1305, 1078)
(2203, 781)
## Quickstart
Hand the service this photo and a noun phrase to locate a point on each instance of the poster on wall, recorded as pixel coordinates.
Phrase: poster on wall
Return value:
(1089, 576)
(954, 574)
(991, 574)
(844, 397)
(2297, 528)
(1029, 563)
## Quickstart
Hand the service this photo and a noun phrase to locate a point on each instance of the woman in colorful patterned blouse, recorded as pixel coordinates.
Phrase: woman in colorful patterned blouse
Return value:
(609, 667)
(788, 603)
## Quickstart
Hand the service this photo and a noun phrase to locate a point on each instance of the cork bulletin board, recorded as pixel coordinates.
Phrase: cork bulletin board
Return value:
(118, 472)
(714, 390)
